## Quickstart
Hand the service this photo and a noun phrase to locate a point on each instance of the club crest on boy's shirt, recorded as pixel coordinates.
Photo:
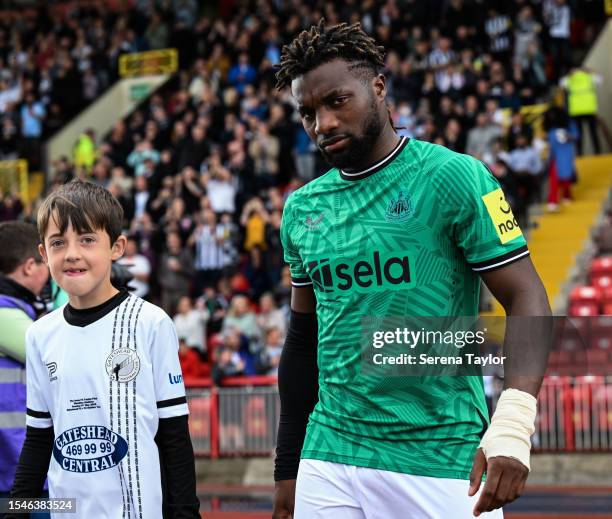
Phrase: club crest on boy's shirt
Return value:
(123, 364)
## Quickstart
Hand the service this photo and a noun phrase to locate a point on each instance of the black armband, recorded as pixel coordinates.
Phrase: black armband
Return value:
(298, 390)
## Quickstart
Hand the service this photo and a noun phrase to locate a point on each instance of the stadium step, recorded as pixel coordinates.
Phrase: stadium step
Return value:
(560, 237)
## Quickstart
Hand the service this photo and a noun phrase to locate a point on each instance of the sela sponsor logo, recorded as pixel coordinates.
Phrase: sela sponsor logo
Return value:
(175, 379)
(123, 364)
(52, 367)
(312, 224)
(399, 208)
(380, 271)
(89, 448)
(500, 212)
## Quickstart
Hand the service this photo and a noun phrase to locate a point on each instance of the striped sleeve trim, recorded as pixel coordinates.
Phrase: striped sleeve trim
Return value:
(500, 261)
(37, 414)
(172, 402)
(301, 282)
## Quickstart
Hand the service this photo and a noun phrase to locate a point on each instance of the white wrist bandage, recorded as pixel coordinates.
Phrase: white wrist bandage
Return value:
(511, 427)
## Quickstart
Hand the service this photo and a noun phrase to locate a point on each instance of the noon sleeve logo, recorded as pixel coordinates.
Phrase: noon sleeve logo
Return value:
(500, 212)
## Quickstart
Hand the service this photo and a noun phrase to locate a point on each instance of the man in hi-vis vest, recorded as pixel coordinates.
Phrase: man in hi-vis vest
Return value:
(581, 85)
(23, 274)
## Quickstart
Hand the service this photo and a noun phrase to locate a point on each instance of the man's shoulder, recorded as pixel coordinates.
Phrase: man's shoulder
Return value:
(440, 160)
(318, 186)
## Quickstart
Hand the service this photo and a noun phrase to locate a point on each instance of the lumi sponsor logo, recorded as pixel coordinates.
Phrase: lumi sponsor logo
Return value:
(380, 271)
(175, 379)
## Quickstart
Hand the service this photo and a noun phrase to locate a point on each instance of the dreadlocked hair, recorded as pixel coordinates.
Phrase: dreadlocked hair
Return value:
(322, 44)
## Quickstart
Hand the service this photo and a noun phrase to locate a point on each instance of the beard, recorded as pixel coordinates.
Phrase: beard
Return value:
(359, 147)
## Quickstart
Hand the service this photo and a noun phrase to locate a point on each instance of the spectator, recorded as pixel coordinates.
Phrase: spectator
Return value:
(557, 15)
(156, 34)
(220, 186)
(270, 316)
(195, 150)
(217, 303)
(256, 273)
(139, 266)
(242, 73)
(525, 166)
(264, 150)
(269, 357)
(228, 361)
(254, 218)
(480, 139)
(175, 271)
(32, 118)
(137, 159)
(190, 323)
(191, 364)
(581, 85)
(562, 136)
(526, 33)
(242, 318)
(517, 127)
(22, 277)
(85, 150)
(211, 255)
(141, 196)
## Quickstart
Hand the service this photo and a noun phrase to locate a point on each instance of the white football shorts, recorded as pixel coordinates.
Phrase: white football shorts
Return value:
(332, 490)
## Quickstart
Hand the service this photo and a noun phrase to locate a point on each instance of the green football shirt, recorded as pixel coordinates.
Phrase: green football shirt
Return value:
(405, 237)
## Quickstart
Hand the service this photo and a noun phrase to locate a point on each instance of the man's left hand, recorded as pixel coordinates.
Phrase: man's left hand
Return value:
(505, 481)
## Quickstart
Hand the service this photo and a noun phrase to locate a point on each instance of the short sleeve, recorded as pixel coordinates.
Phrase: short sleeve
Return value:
(299, 277)
(37, 385)
(482, 222)
(168, 377)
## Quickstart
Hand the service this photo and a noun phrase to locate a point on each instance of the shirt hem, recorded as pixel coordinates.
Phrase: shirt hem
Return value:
(432, 472)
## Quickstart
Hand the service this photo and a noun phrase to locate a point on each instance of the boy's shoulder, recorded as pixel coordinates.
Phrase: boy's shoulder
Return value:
(50, 320)
(151, 314)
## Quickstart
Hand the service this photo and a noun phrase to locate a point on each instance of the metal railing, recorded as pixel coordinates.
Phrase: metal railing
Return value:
(241, 417)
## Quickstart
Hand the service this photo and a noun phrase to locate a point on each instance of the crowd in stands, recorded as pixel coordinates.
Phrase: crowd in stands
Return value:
(203, 168)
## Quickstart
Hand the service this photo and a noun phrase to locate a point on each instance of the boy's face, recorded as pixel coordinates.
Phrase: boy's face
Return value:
(81, 263)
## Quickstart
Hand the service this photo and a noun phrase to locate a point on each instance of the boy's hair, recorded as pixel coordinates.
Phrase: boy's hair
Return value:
(322, 44)
(18, 242)
(87, 206)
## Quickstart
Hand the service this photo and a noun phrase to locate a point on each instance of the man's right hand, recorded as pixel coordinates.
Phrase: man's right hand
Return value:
(284, 499)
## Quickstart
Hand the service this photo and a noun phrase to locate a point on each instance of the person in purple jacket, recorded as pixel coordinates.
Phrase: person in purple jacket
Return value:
(23, 275)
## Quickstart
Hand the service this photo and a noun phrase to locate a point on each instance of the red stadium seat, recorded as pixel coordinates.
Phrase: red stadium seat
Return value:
(602, 281)
(602, 265)
(606, 295)
(584, 309)
(607, 309)
(585, 294)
